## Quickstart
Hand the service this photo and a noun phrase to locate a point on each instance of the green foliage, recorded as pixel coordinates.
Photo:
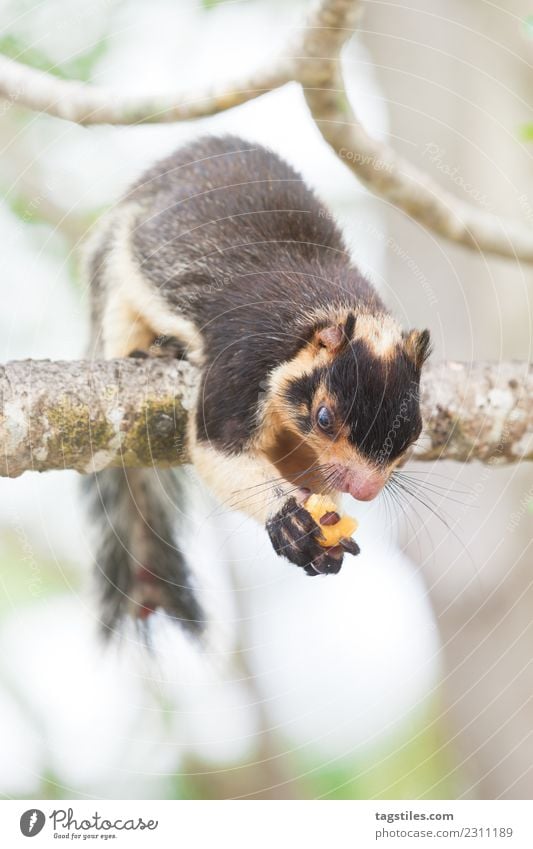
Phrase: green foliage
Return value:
(526, 131)
(210, 4)
(27, 576)
(413, 763)
(410, 765)
(79, 67)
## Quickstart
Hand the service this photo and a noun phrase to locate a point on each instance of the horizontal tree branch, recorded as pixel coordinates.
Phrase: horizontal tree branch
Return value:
(312, 59)
(88, 415)
(477, 411)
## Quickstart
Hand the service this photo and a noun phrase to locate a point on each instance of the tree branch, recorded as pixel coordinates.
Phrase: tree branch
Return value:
(376, 164)
(87, 415)
(406, 187)
(312, 59)
(90, 415)
(83, 103)
(477, 411)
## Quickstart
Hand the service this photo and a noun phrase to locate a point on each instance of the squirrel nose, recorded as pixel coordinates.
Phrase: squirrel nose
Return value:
(364, 484)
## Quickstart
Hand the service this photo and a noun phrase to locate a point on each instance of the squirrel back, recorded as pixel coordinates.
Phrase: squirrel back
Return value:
(221, 253)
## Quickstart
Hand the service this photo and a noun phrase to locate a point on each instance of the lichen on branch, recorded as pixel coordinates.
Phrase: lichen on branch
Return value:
(89, 415)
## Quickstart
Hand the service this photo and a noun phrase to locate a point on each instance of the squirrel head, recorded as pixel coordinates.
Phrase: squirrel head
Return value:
(351, 397)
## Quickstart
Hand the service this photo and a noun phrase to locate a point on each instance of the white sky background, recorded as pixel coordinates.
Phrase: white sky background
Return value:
(339, 662)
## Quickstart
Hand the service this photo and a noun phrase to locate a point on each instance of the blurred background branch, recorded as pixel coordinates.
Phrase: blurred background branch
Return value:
(313, 60)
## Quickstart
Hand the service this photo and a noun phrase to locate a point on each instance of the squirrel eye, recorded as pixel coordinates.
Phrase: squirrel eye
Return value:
(324, 418)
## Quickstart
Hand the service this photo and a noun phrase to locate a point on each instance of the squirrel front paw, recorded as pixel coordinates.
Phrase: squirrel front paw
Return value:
(294, 534)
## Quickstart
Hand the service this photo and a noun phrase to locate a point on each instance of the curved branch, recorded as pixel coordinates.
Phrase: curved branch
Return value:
(375, 163)
(86, 104)
(390, 176)
(329, 25)
(88, 415)
(313, 60)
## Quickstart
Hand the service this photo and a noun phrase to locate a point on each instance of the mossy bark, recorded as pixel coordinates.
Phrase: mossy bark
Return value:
(91, 415)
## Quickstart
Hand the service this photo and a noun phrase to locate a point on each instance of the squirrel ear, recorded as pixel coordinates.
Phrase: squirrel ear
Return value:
(331, 338)
(336, 336)
(417, 346)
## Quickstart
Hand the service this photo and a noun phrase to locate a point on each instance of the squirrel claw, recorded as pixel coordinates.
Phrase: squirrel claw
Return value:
(295, 535)
(328, 563)
(349, 545)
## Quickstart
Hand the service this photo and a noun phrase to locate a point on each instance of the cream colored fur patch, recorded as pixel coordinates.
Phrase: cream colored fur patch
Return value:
(134, 312)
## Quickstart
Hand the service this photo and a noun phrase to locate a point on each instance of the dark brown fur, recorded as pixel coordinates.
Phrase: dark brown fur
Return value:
(230, 242)
(237, 240)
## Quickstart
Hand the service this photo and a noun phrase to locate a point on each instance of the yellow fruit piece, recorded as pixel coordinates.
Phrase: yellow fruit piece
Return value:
(319, 506)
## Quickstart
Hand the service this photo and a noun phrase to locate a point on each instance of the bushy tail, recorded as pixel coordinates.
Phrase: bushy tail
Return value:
(140, 568)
